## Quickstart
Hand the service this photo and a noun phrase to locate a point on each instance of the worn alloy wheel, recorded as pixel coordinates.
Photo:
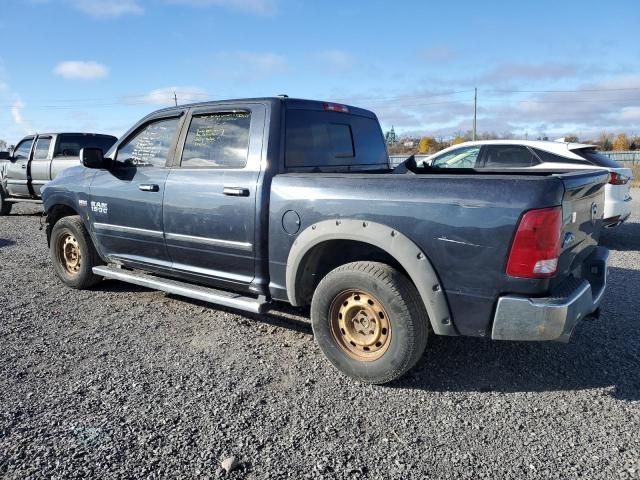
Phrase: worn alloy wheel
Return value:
(69, 253)
(360, 325)
(369, 321)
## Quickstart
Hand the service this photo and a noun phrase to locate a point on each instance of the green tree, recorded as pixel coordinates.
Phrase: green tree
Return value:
(390, 137)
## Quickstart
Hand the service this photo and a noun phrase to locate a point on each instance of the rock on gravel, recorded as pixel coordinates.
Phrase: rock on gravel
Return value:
(123, 382)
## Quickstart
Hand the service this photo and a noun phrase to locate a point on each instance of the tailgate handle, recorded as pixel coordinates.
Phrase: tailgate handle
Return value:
(236, 191)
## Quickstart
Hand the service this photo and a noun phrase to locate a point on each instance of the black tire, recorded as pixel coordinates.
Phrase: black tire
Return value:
(408, 320)
(70, 233)
(5, 207)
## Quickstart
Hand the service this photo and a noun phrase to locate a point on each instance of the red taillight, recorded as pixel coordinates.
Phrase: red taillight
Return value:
(617, 179)
(536, 246)
(336, 107)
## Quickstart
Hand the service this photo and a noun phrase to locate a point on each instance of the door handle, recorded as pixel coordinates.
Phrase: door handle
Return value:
(236, 191)
(146, 187)
(24, 165)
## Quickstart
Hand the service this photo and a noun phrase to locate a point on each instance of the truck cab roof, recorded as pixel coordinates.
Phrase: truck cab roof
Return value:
(292, 103)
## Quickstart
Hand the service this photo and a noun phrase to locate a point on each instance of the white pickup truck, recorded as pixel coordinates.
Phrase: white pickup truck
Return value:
(38, 159)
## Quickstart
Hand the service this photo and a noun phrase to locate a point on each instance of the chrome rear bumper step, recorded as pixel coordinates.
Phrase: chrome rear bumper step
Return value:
(206, 294)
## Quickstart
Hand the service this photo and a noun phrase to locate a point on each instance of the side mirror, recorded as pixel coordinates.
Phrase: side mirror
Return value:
(93, 158)
(5, 156)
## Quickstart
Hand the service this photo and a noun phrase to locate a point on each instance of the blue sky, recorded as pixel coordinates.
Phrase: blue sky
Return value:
(99, 65)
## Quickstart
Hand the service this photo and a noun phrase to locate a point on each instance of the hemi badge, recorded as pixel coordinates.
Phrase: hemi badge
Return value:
(82, 203)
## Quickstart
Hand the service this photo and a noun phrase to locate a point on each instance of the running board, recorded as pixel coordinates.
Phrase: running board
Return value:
(206, 294)
(22, 200)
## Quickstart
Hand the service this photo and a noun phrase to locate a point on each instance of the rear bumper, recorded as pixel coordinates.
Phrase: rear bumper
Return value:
(555, 317)
(616, 212)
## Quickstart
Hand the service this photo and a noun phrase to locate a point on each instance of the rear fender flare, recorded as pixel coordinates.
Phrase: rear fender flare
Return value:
(414, 261)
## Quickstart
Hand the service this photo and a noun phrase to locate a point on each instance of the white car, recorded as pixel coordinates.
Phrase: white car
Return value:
(544, 155)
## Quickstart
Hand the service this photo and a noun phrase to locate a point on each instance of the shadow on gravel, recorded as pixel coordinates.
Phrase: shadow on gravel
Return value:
(603, 353)
(28, 214)
(119, 287)
(622, 238)
(6, 243)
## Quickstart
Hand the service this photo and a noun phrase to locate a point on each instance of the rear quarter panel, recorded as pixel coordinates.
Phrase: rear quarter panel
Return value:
(463, 223)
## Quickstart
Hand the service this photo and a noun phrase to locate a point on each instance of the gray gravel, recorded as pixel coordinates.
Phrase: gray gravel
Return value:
(126, 382)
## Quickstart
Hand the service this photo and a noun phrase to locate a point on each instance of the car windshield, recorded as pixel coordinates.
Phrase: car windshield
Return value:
(597, 158)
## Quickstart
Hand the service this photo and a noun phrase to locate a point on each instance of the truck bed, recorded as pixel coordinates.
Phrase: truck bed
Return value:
(463, 220)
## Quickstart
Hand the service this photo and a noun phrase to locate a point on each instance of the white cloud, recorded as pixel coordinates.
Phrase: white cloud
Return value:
(108, 8)
(259, 7)
(165, 96)
(77, 70)
(18, 117)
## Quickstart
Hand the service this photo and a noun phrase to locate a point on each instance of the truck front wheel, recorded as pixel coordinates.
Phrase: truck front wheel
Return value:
(369, 321)
(73, 253)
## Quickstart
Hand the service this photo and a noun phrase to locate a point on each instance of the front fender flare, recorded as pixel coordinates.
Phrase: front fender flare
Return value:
(414, 261)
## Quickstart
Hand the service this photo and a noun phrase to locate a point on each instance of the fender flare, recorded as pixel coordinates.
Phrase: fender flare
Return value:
(414, 261)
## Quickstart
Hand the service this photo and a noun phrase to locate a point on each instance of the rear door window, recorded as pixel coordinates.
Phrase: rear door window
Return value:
(463, 157)
(508, 156)
(42, 148)
(217, 140)
(597, 158)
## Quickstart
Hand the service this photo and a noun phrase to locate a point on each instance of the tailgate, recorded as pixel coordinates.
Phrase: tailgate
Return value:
(582, 213)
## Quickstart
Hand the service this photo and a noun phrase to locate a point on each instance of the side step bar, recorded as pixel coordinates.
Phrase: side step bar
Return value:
(22, 200)
(206, 294)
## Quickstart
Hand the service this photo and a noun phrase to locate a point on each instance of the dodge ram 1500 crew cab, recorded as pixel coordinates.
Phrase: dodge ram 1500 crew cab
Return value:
(244, 203)
(39, 158)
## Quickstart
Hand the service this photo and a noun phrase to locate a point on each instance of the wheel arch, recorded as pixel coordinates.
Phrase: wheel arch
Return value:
(397, 247)
(57, 211)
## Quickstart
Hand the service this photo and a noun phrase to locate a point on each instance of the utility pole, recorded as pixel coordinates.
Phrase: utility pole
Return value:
(175, 98)
(475, 112)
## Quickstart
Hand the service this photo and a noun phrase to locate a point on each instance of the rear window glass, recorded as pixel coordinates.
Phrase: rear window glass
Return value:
(319, 139)
(596, 158)
(70, 145)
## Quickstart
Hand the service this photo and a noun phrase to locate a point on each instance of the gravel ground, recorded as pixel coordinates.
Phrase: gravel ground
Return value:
(126, 382)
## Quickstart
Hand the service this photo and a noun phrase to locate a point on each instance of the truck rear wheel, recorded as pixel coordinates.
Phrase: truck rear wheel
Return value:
(369, 321)
(73, 253)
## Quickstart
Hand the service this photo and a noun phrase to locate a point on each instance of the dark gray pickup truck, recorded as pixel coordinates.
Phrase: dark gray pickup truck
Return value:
(244, 203)
(39, 158)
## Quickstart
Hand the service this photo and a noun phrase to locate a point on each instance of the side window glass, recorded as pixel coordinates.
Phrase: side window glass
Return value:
(509, 156)
(218, 140)
(459, 158)
(549, 157)
(42, 149)
(23, 149)
(150, 146)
